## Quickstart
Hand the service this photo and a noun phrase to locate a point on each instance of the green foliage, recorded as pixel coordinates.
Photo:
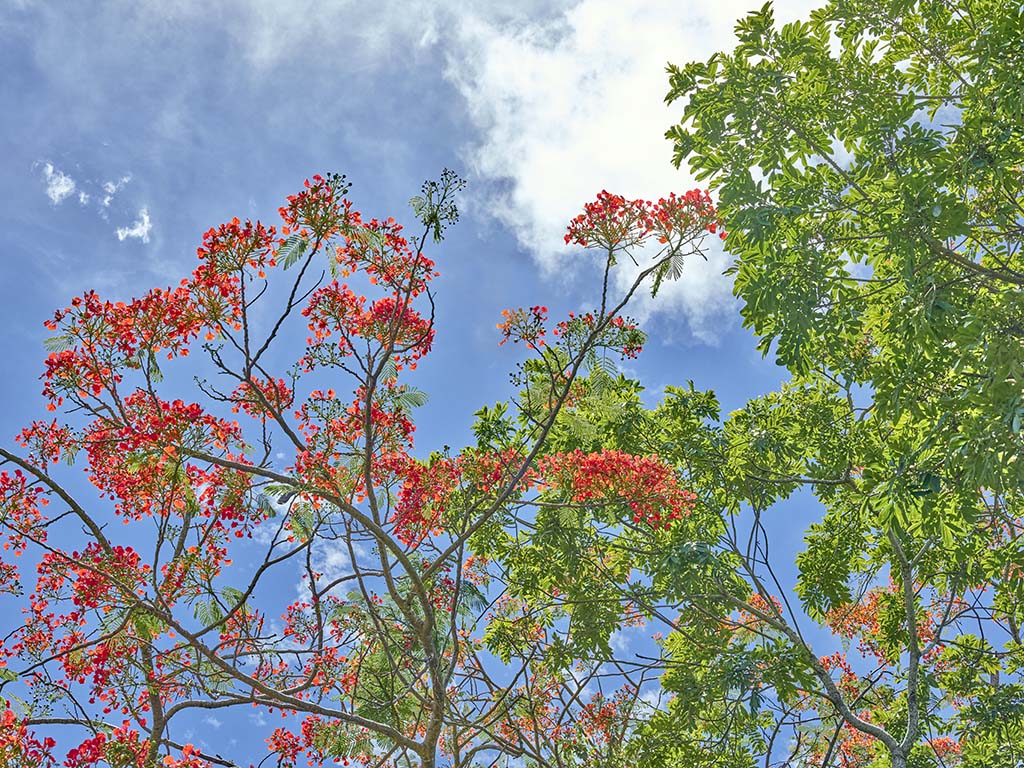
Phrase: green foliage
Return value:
(292, 250)
(435, 207)
(835, 551)
(868, 167)
(867, 164)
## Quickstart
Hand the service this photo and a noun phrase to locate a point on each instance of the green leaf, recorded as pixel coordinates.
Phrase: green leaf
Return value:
(409, 398)
(59, 343)
(291, 250)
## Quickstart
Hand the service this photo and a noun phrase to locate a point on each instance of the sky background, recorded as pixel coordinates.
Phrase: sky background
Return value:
(133, 126)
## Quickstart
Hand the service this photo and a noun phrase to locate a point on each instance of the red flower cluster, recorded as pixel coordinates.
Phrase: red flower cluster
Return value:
(861, 620)
(105, 338)
(612, 222)
(422, 494)
(88, 753)
(768, 606)
(262, 397)
(46, 441)
(394, 324)
(97, 576)
(189, 759)
(944, 747)
(10, 582)
(524, 325)
(646, 484)
(390, 322)
(849, 682)
(20, 503)
(378, 250)
(318, 210)
(130, 459)
(19, 747)
(315, 737)
(685, 216)
(234, 247)
(620, 334)
(605, 719)
(856, 748)
(286, 744)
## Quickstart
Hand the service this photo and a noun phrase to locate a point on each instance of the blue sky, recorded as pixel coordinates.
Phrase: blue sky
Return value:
(133, 126)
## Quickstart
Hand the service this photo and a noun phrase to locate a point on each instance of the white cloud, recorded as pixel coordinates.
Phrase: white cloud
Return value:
(139, 229)
(655, 697)
(331, 560)
(111, 188)
(59, 186)
(334, 562)
(620, 640)
(273, 31)
(565, 97)
(572, 104)
(258, 718)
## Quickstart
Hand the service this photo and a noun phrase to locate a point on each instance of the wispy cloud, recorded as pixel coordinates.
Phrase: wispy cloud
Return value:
(620, 641)
(655, 697)
(331, 563)
(138, 229)
(111, 188)
(59, 186)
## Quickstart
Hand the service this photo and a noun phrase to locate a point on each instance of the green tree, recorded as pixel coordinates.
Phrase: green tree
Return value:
(868, 167)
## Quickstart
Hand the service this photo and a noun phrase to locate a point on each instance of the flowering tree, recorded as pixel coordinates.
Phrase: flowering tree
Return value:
(157, 592)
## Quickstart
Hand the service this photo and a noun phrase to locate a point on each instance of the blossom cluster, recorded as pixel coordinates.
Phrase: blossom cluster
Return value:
(19, 746)
(613, 222)
(646, 484)
(863, 620)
